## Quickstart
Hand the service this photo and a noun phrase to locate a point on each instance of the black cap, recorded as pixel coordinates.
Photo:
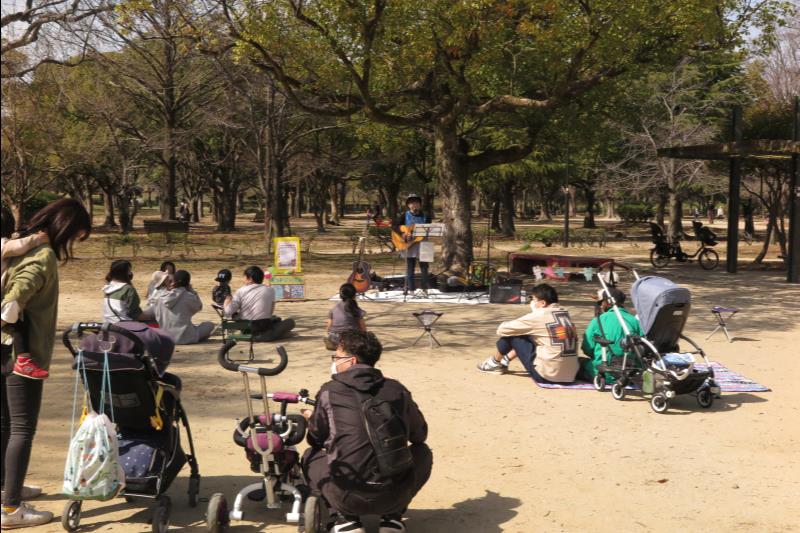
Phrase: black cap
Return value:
(224, 275)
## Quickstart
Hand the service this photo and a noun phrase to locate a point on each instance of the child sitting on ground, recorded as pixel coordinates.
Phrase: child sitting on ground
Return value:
(346, 316)
(223, 290)
(10, 247)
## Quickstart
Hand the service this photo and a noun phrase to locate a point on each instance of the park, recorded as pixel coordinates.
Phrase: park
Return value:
(457, 164)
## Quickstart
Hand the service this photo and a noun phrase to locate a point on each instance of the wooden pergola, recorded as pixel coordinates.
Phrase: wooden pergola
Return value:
(737, 151)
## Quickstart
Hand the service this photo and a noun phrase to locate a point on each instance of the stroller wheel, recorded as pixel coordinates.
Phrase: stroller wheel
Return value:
(71, 515)
(659, 403)
(599, 382)
(161, 515)
(217, 515)
(705, 398)
(618, 391)
(315, 515)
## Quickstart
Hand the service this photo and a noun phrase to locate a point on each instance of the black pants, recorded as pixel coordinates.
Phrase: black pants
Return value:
(21, 400)
(354, 501)
(423, 270)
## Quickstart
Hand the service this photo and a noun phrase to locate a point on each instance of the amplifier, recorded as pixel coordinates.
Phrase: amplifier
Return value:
(506, 293)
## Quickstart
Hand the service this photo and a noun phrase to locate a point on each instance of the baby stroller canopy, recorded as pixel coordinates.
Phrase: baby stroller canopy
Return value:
(650, 294)
(123, 349)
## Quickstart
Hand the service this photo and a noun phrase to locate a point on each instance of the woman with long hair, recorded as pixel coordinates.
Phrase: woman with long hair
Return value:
(31, 295)
(345, 316)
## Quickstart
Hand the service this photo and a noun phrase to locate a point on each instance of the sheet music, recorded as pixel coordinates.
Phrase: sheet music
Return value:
(428, 230)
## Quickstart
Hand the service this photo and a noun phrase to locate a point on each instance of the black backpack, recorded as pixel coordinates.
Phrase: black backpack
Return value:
(387, 434)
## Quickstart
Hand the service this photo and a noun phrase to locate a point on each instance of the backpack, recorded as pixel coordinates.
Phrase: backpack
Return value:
(387, 434)
(93, 470)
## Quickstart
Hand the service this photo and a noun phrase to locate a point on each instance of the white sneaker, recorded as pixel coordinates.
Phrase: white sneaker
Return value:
(391, 525)
(28, 493)
(24, 516)
(490, 366)
(344, 525)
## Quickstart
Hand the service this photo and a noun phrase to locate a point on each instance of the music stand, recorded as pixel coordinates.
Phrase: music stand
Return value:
(427, 318)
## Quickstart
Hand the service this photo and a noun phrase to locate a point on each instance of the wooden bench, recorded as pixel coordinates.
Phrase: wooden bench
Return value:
(165, 226)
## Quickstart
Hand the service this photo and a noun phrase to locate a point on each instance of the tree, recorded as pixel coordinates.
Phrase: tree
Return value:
(450, 69)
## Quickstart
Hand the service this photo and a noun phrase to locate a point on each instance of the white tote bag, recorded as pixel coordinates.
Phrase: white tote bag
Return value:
(93, 470)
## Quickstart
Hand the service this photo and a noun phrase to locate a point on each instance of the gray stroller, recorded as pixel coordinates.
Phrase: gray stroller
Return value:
(652, 362)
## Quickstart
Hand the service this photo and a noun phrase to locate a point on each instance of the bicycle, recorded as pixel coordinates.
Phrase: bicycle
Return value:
(665, 249)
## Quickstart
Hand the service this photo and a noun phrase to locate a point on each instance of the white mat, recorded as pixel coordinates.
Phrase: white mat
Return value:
(434, 297)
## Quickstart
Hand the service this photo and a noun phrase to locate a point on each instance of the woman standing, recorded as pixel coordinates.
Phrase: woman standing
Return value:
(31, 294)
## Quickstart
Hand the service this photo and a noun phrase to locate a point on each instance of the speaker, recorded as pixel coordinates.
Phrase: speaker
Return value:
(506, 293)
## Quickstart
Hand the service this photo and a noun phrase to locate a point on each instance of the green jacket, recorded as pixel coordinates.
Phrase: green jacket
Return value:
(33, 283)
(613, 331)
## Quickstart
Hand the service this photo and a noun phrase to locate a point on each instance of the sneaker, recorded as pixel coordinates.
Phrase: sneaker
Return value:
(24, 516)
(28, 493)
(491, 366)
(27, 368)
(392, 524)
(347, 524)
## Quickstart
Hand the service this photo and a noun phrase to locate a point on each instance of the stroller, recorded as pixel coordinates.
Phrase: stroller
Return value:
(651, 362)
(147, 410)
(269, 441)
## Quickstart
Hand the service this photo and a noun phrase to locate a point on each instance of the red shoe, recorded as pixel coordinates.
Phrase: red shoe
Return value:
(26, 368)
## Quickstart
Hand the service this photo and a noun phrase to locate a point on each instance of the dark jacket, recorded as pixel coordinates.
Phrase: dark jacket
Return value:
(337, 425)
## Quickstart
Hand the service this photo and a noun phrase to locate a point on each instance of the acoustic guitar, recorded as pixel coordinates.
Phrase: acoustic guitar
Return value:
(402, 243)
(360, 277)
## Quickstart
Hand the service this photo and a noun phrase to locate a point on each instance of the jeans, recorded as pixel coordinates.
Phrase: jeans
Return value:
(423, 269)
(22, 398)
(525, 349)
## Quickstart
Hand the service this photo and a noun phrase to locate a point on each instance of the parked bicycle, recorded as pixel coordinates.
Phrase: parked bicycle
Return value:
(666, 249)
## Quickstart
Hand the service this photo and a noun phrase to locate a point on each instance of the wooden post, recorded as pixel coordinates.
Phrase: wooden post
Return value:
(794, 204)
(734, 199)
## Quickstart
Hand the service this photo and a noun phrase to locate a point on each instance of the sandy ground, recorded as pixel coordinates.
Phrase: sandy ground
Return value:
(508, 456)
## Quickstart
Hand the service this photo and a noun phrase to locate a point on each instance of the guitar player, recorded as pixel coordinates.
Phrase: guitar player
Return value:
(412, 216)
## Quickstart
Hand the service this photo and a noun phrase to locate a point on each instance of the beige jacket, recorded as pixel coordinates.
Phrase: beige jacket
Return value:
(555, 338)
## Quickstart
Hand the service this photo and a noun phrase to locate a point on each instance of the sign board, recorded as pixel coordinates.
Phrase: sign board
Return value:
(289, 287)
(287, 255)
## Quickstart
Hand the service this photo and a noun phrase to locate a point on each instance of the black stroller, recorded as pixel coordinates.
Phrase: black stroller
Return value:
(147, 410)
(651, 362)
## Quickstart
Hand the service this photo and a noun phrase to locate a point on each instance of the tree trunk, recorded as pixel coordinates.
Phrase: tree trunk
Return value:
(108, 208)
(343, 198)
(125, 219)
(675, 215)
(17, 213)
(508, 214)
(333, 194)
(225, 201)
(169, 180)
(588, 220)
(390, 192)
(661, 210)
(494, 215)
(455, 194)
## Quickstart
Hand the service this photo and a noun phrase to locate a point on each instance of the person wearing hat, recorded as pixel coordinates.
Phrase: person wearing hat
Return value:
(174, 309)
(223, 289)
(161, 277)
(606, 325)
(412, 216)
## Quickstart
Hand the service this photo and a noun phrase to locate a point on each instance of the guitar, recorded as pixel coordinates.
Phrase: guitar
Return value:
(403, 243)
(360, 278)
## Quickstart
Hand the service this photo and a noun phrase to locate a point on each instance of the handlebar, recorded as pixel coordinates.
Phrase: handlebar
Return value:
(290, 397)
(80, 328)
(227, 364)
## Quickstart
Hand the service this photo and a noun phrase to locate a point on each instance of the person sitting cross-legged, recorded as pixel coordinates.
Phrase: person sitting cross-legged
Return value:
(606, 326)
(342, 464)
(544, 340)
(256, 302)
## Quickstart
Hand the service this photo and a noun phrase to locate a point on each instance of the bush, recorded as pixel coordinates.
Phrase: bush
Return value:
(546, 236)
(635, 212)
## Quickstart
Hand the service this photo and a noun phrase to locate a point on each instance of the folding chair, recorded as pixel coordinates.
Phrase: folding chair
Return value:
(427, 319)
(719, 312)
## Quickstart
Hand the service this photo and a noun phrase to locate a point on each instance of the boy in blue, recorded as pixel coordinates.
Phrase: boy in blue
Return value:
(412, 216)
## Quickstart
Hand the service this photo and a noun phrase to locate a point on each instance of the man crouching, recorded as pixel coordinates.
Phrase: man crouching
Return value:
(360, 460)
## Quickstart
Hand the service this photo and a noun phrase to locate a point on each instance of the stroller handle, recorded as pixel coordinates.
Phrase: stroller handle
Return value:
(79, 328)
(227, 364)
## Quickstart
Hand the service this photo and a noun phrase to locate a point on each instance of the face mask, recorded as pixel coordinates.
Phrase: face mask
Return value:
(334, 370)
(533, 305)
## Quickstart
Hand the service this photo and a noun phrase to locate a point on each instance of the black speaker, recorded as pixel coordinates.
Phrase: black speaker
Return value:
(506, 293)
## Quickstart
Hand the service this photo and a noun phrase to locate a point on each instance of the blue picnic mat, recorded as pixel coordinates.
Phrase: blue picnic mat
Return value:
(728, 380)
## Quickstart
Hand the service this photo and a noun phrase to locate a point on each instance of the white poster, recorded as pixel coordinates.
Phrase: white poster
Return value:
(426, 252)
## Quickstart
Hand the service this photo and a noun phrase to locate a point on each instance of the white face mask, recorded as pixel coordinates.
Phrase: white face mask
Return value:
(334, 370)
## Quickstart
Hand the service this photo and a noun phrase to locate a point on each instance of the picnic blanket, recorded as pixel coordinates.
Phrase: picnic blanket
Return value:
(728, 381)
(435, 296)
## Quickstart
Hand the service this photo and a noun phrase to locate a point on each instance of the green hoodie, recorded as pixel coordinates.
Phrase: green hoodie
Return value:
(33, 283)
(613, 331)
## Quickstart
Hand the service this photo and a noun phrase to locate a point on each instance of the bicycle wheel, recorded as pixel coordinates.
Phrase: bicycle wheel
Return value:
(709, 259)
(658, 260)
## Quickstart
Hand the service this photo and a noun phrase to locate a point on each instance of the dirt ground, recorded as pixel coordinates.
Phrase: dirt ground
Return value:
(508, 456)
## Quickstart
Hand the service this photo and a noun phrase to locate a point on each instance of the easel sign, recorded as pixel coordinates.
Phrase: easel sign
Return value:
(287, 255)
(289, 287)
